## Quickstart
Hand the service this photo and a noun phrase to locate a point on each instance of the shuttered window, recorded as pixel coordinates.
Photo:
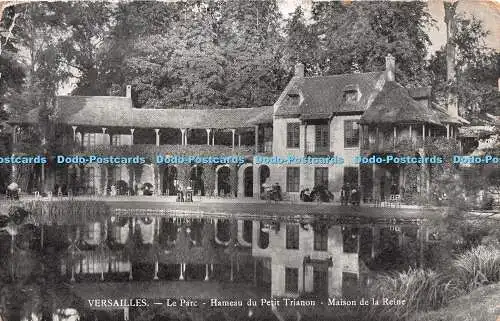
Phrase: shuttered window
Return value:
(293, 135)
(322, 138)
(351, 133)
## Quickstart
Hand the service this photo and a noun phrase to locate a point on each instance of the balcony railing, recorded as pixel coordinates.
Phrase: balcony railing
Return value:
(391, 144)
(313, 149)
(265, 148)
(433, 145)
(152, 150)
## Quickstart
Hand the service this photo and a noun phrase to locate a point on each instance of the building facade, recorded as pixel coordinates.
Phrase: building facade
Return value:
(345, 116)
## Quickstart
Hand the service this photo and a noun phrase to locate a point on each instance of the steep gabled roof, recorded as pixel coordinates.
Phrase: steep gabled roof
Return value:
(323, 96)
(395, 105)
(106, 111)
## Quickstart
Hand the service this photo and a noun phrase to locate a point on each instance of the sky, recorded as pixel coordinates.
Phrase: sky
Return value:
(487, 11)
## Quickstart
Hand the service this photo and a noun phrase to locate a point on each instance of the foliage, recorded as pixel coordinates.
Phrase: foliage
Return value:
(65, 212)
(208, 177)
(478, 266)
(226, 54)
(477, 69)
(356, 36)
(422, 289)
(427, 290)
(475, 306)
(184, 176)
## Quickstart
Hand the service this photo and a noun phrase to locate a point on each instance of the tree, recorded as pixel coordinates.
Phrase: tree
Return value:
(357, 36)
(302, 44)
(477, 68)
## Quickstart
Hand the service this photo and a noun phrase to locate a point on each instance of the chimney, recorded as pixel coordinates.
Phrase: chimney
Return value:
(129, 92)
(390, 68)
(299, 69)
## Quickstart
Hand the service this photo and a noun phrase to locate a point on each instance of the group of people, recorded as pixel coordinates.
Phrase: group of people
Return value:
(350, 194)
(272, 192)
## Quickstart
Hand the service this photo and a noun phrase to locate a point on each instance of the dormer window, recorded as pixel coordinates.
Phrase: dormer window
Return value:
(351, 94)
(293, 97)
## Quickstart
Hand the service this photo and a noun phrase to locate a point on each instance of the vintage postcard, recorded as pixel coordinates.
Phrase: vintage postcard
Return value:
(216, 160)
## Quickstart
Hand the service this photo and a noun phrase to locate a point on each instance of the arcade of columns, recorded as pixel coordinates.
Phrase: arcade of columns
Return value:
(236, 236)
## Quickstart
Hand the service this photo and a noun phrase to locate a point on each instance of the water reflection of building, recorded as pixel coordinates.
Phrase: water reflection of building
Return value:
(176, 257)
(281, 258)
(307, 258)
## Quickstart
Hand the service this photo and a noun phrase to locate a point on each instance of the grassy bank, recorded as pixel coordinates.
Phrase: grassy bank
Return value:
(482, 304)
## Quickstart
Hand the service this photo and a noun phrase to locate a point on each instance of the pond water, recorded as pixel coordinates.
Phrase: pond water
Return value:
(130, 267)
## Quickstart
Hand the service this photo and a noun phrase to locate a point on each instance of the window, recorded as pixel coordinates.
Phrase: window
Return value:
(292, 179)
(93, 230)
(322, 138)
(117, 173)
(115, 141)
(350, 237)
(351, 96)
(321, 238)
(90, 139)
(292, 280)
(292, 236)
(293, 98)
(321, 176)
(90, 177)
(351, 133)
(293, 135)
(351, 175)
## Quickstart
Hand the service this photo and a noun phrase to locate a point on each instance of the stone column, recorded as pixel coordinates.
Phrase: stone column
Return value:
(423, 135)
(231, 276)
(183, 135)
(206, 273)
(155, 277)
(254, 272)
(239, 140)
(375, 241)
(132, 135)
(208, 136)
(395, 137)
(213, 138)
(233, 131)
(256, 138)
(103, 133)
(74, 133)
(181, 277)
(126, 314)
(256, 181)
(157, 131)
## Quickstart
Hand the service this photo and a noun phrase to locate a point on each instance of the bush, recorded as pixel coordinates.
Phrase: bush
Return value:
(422, 289)
(478, 266)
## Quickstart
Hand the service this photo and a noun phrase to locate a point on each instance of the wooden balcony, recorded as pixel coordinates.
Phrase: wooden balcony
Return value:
(436, 145)
(316, 150)
(265, 148)
(392, 144)
(151, 150)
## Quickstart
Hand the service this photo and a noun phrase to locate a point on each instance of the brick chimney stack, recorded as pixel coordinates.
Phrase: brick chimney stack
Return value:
(390, 68)
(299, 70)
(129, 92)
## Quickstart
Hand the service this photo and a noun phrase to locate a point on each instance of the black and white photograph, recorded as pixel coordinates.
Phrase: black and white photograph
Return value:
(250, 160)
